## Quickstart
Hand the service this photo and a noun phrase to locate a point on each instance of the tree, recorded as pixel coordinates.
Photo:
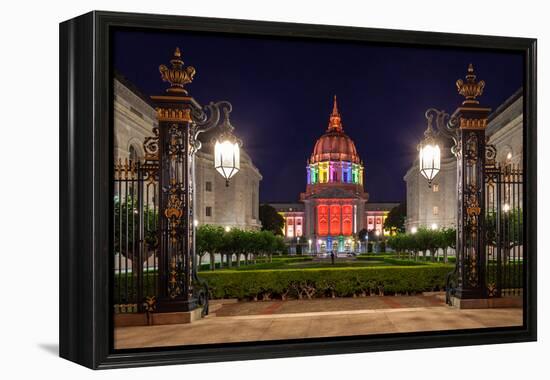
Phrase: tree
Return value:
(395, 220)
(511, 230)
(126, 225)
(412, 244)
(208, 240)
(267, 244)
(271, 219)
(239, 243)
(395, 242)
(228, 246)
(448, 236)
(429, 240)
(363, 234)
(280, 245)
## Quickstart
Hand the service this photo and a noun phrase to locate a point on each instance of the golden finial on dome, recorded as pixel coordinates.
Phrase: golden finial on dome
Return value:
(335, 121)
(470, 89)
(177, 75)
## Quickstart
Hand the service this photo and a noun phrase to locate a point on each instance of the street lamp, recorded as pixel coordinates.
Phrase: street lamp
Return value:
(227, 149)
(414, 230)
(429, 154)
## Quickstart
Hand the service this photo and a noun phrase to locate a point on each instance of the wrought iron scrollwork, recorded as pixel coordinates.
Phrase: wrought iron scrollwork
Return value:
(204, 119)
(490, 155)
(447, 126)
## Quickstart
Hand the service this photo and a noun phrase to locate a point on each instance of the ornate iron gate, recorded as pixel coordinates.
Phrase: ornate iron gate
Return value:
(136, 224)
(504, 229)
(503, 264)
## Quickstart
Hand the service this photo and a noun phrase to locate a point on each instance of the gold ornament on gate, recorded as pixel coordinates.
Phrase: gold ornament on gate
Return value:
(470, 89)
(178, 76)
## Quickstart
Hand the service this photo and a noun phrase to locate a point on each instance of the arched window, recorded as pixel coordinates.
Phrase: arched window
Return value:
(133, 154)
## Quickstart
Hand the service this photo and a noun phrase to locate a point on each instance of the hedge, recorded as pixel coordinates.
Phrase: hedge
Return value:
(407, 262)
(319, 282)
(260, 262)
(335, 282)
(391, 259)
(374, 257)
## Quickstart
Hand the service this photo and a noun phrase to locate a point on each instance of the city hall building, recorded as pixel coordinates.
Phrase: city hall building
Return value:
(334, 207)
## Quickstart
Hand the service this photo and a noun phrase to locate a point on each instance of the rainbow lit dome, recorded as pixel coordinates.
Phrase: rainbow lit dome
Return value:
(334, 158)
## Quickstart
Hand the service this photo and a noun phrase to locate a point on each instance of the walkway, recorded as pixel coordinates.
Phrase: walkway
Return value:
(232, 321)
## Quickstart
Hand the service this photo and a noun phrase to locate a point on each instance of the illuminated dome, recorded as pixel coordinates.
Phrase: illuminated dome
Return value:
(334, 159)
(334, 145)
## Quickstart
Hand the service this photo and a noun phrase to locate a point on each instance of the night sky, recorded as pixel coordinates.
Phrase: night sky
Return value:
(282, 90)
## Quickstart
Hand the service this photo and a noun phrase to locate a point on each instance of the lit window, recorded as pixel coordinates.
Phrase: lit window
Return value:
(436, 210)
(435, 187)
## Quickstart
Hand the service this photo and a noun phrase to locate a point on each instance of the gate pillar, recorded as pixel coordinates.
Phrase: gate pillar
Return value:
(471, 119)
(176, 149)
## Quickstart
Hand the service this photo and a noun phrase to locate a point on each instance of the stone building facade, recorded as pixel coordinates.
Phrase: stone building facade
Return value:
(233, 206)
(436, 206)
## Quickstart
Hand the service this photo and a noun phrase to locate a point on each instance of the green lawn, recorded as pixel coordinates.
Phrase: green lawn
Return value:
(307, 262)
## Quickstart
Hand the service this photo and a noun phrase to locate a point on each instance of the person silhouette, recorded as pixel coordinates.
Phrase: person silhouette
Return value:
(332, 257)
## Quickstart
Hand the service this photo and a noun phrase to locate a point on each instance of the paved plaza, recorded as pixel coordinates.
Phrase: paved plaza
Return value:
(232, 321)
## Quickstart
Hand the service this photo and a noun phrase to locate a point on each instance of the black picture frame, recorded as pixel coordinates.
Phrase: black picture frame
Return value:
(86, 321)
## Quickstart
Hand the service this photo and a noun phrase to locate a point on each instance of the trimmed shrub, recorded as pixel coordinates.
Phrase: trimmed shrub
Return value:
(407, 262)
(373, 257)
(335, 282)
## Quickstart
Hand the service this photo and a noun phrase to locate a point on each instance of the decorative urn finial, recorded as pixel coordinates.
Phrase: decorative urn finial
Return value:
(178, 75)
(470, 89)
(335, 121)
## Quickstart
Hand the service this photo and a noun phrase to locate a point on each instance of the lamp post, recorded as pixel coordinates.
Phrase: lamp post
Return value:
(309, 246)
(466, 127)
(180, 121)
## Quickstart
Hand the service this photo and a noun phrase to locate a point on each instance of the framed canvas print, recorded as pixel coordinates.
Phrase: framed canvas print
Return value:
(238, 189)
